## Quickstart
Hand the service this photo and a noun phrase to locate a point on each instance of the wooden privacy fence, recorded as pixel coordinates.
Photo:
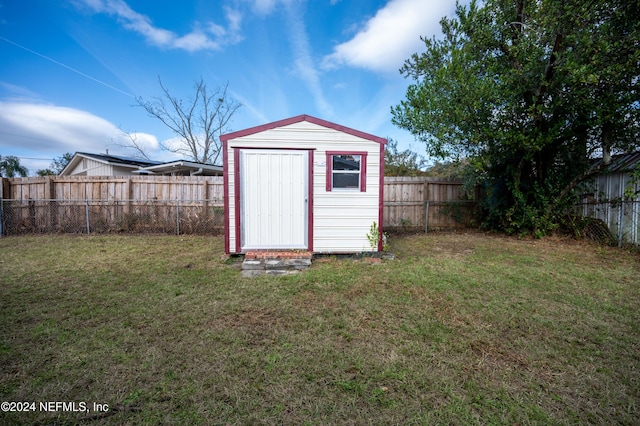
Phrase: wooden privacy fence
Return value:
(106, 188)
(427, 203)
(80, 204)
(169, 203)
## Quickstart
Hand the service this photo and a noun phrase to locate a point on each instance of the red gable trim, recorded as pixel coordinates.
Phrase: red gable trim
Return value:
(298, 119)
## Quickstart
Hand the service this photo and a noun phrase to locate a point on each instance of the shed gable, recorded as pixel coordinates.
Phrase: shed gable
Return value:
(301, 120)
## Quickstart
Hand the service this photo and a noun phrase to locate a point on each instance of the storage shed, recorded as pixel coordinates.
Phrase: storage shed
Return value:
(302, 183)
(614, 197)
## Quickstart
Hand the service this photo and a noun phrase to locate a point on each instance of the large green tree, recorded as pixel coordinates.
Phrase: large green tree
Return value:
(528, 91)
(402, 163)
(10, 167)
(57, 165)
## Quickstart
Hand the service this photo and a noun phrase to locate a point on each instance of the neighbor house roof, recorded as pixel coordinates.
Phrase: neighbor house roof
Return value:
(298, 119)
(619, 163)
(182, 167)
(129, 162)
(141, 166)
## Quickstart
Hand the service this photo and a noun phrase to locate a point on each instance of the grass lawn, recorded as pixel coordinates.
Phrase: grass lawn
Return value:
(459, 329)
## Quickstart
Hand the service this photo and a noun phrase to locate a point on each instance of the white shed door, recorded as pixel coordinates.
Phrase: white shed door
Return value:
(274, 199)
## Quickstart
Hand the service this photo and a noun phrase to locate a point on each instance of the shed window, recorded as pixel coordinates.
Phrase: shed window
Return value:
(346, 171)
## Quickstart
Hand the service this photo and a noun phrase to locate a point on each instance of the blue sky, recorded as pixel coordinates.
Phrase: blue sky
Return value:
(71, 69)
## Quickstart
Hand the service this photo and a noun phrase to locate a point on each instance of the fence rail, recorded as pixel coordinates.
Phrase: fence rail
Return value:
(113, 188)
(110, 216)
(81, 204)
(427, 203)
(193, 205)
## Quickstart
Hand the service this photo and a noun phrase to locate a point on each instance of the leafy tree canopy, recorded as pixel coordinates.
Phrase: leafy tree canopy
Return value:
(528, 91)
(57, 165)
(45, 172)
(455, 169)
(10, 167)
(402, 163)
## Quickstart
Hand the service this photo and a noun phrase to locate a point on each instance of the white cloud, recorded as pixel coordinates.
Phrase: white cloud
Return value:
(53, 128)
(257, 113)
(212, 37)
(195, 41)
(18, 92)
(263, 7)
(235, 20)
(48, 131)
(146, 142)
(391, 36)
(303, 63)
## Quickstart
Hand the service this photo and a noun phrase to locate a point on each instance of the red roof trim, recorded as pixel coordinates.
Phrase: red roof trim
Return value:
(298, 119)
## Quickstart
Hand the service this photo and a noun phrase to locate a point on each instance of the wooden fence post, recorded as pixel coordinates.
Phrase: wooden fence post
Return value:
(426, 216)
(5, 188)
(205, 198)
(177, 217)
(86, 212)
(50, 191)
(127, 194)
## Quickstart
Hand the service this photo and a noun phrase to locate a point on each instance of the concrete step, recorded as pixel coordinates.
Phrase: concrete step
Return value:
(275, 263)
(274, 272)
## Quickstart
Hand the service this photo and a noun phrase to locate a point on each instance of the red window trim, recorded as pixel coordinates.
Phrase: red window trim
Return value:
(363, 168)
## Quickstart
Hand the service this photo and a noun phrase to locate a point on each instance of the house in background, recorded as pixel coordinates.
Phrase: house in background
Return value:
(616, 177)
(303, 183)
(87, 164)
(614, 197)
(181, 168)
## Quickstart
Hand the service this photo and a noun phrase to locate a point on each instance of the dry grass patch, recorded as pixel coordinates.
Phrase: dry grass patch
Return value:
(460, 329)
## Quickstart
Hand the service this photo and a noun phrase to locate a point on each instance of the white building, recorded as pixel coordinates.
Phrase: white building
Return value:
(87, 164)
(302, 183)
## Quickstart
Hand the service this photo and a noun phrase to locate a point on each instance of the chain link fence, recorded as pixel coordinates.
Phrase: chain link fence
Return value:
(203, 217)
(611, 222)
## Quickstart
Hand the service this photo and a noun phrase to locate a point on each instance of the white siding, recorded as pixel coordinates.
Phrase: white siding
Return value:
(341, 219)
(79, 170)
(619, 217)
(122, 171)
(90, 167)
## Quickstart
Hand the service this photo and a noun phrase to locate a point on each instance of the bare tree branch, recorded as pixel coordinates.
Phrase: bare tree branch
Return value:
(198, 122)
(132, 143)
